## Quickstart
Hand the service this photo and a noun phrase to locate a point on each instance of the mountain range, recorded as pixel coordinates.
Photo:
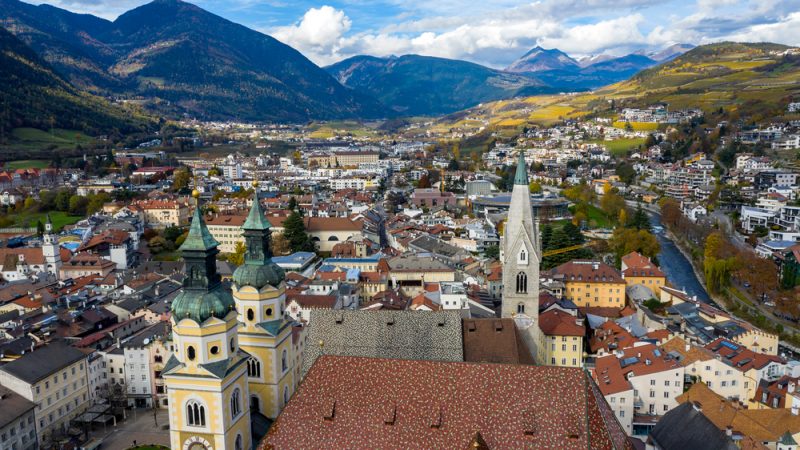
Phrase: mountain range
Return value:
(180, 59)
(176, 59)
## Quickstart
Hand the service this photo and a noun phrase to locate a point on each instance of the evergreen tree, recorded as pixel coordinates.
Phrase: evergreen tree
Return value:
(573, 234)
(294, 230)
(547, 235)
(292, 203)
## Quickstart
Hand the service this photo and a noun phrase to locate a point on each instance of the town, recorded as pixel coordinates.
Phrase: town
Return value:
(146, 291)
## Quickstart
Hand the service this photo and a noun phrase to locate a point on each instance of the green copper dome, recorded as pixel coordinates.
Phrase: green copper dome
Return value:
(200, 306)
(258, 276)
(258, 269)
(202, 295)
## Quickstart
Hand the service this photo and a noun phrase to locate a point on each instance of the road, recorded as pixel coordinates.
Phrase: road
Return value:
(139, 427)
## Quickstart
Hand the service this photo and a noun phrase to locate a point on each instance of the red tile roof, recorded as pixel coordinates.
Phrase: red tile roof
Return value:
(739, 356)
(637, 265)
(558, 323)
(351, 402)
(589, 272)
(610, 337)
(612, 376)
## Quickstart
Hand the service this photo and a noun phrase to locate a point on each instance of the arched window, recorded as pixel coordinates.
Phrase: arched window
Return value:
(236, 405)
(521, 308)
(284, 364)
(195, 414)
(333, 238)
(523, 256)
(254, 404)
(285, 395)
(250, 314)
(253, 368)
(233, 345)
(522, 283)
(238, 444)
(190, 353)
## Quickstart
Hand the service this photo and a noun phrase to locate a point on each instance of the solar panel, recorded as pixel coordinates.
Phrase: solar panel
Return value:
(730, 345)
(628, 361)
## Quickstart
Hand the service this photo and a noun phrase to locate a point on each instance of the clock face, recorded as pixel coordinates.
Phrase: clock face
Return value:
(197, 443)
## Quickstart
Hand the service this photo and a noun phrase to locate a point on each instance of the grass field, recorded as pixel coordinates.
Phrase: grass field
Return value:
(27, 219)
(26, 164)
(637, 126)
(597, 217)
(38, 138)
(619, 147)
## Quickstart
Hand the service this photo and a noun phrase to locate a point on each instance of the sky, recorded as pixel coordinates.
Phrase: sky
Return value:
(491, 32)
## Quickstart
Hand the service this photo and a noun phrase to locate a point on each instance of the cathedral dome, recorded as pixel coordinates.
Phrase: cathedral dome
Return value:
(258, 275)
(201, 305)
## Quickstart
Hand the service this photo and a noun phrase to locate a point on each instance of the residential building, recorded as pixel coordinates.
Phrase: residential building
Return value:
(163, 213)
(561, 337)
(591, 284)
(638, 269)
(17, 421)
(227, 230)
(54, 377)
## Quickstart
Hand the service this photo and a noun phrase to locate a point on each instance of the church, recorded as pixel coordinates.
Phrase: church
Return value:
(233, 360)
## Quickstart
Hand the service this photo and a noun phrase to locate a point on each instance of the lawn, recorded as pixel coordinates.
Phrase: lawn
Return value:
(56, 136)
(619, 147)
(597, 216)
(28, 219)
(26, 164)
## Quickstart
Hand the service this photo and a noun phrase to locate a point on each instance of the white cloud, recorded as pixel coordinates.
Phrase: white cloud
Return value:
(319, 32)
(784, 31)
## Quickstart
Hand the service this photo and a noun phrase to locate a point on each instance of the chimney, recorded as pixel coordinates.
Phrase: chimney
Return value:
(687, 347)
(795, 409)
(697, 406)
(729, 431)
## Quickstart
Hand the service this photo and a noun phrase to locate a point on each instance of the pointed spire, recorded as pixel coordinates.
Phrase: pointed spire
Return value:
(199, 238)
(256, 219)
(521, 176)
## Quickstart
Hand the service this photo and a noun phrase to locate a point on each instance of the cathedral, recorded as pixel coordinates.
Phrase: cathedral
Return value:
(233, 358)
(521, 256)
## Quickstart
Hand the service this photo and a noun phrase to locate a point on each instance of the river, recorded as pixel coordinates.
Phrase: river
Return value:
(675, 266)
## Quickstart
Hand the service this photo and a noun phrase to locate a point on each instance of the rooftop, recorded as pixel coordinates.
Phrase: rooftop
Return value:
(41, 363)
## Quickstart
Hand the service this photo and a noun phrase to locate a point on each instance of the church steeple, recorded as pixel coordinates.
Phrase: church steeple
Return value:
(258, 269)
(202, 295)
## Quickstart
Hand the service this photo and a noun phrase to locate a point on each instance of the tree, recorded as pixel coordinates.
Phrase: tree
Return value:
(29, 203)
(535, 187)
(670, 212)
(237, 257)
(424, 182)
(639, 220)
(452, 165)
(181, 179)
(492, 252)
(172, 233)
(62, 200)
(547, 235)
(280, 245)
(626, 172)
(611, 203)
(294, 230)
(626, 240)
(157, 245)
(39, 228)
(292, 203)
(78, 205)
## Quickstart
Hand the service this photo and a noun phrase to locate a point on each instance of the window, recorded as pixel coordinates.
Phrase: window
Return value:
(284, 364)
(652, 394)
(522, 283)
(195, 414)
(285, 395)
(238, 444)
(189, 353)
(622, 413)
(652, 382)
(666, 408)
(250, 314)
(522, 256)
(666, 394)
(253, 368)
(521, 310)
(236, 407)
(214, 350)
(233, 346)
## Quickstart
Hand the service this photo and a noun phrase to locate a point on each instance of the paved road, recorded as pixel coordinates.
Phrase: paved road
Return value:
(139, 427)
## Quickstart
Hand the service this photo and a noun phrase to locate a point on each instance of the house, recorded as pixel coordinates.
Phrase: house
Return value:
(116, 246)
(84, 264)
(350, 402)
(696, 431)
(562, 338)
(227, 230)
(768, 427)
(591, 284)
(17, 421)
(639, 383)
(640, 270)
(431, 198)
(163, 213)
(53, 377)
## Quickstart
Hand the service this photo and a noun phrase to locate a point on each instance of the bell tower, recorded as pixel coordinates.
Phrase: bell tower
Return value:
(265, 334)
(521, 258)
(50, 249)
(206, 377)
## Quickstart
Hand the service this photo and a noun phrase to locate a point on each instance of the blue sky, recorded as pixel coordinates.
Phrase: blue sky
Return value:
(492, 32)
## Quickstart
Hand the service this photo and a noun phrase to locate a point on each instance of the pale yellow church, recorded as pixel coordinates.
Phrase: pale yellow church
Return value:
(233, 353)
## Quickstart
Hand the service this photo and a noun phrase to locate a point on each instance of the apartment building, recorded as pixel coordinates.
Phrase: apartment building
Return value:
(163, 213)
(591, 283)
(54, 378)
(17, 421)
(227, 230)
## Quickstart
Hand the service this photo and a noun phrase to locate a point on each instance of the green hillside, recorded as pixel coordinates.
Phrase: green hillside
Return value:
(32, 95)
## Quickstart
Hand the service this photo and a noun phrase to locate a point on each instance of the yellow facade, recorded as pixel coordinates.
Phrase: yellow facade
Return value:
(653, 283)
(267, 337)
(562, 351)
(194, 383)
(588, 293)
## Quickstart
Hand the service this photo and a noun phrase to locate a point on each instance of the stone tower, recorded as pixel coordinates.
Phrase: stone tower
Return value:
(206, 377)
(259, 291)
(521, 258)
